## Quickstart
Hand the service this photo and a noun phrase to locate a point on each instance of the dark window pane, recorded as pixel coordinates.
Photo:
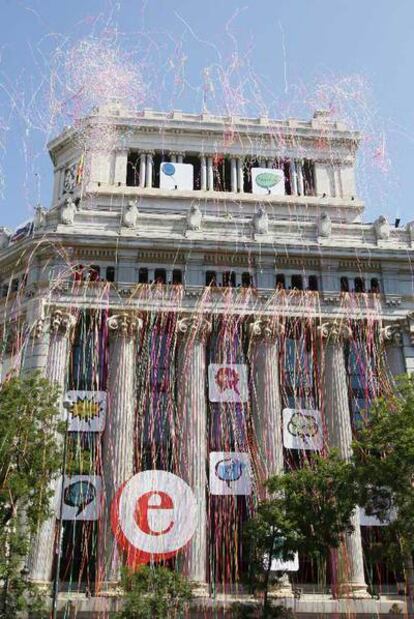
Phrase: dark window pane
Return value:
(143, 276)
(110, 274)
(177, 277)
(344, 284)
(297, 282)
(280, 281)
(160, 276)
(313, 282)
(211, 279)
(359, 284)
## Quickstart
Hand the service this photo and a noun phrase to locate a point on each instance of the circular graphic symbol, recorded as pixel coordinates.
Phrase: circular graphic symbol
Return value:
(266, 180)
(153, 516)
(303, 426)
(168, 169)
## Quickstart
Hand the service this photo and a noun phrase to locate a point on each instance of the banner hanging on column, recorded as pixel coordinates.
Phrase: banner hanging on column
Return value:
(227, 382)
(302, 429)
(82, 496)
(230, 473)
(86, 410)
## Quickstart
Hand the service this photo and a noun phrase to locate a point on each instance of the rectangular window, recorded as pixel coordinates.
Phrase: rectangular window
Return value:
(308, 178)
(280, 281)
(211, 279)
(143, 275)
(297, 282)
(160, 276)
(110, 274)
(313, 283)
(246, 280)
(177, 277)
(229, 279)
(344, 284)
(196, 163)
(359, 284)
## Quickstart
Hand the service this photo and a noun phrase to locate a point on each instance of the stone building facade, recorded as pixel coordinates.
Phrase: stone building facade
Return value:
(219, 257)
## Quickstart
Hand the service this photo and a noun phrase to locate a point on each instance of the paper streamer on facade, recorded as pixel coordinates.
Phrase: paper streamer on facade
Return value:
(230, 473)
(302, 429)
(227, 383)
(82, 496)
(86, 410)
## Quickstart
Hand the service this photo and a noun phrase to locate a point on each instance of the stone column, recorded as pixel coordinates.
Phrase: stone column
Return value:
(42, 553)
(173, 157)
(210, 175)
(142, 169)
(192, 409)
(233, 169)
(37, 349)
(338, 424)
(293, 177)
(118, 438)
(180, 157)
(267, 404)
(203, 172)
(299, 171)
(240, 176)
(148, 171)
(393, 339)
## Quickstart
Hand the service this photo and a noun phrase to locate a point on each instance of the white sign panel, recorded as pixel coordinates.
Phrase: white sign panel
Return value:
(227, 382)
(81, 497)
(372, 520)
(278, 565)
(230, 473)
(302, 429)
(268, 181)
(153, 516)
(86, 410)
(176, 176)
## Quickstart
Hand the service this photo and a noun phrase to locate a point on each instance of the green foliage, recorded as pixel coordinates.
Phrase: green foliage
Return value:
(384, 461)
(30, 456)
(154, 592)
(309, 511)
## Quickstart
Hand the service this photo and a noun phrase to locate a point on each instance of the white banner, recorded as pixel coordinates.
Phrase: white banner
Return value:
(302, 429)
(86, 410)
(81, 497)
(372, 520)
(227, 382)
(267, 181)
(278, 565)
(230, 473)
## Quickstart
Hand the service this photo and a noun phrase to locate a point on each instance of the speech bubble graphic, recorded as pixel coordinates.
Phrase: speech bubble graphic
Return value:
(168, 169)
(79, 494)
(267, 180)
(303, 426)
(230, 470)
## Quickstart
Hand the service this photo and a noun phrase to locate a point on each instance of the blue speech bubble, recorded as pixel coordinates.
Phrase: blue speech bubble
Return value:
(79, 494)
(229, 470)
(168, 169)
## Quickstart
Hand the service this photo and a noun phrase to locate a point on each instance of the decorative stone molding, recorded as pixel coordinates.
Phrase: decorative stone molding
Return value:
(126, 324)
(324, 226)
(5, 235)
(194, 218)
(130, 215)
(61, 322)
(194, 326)
(266, 328)
(260, 221)
(382, 228)
(38, 329)
(334, 330)
(392, 333)
(39, 217)
(393, 301)
(67, 212)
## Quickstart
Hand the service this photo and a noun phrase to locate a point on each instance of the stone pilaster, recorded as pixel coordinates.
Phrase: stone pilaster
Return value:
(43, 548)
(338, 423)
(118, 438)
(37, 348)
(192, 409)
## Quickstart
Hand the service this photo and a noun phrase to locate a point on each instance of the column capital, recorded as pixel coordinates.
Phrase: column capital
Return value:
(126, 324)
(335, 331)
(392, 334)
(62, 322)
(266, 328)
(38, 329)
(194, 326)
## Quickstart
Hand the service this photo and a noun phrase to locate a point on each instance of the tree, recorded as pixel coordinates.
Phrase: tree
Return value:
(309, 512)
(154, 593)
(30, 456)
(384, 462)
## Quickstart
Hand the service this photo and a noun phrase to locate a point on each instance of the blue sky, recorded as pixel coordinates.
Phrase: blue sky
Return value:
(282, 57)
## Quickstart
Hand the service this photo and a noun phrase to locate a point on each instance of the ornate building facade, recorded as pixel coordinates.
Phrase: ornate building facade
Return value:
(181, 245)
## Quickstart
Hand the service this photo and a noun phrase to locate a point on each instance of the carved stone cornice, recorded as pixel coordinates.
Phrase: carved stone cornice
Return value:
(392, 334)
(194, 326)
(268, 329)
(126, 324)
(334, 331)
(61, 322)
